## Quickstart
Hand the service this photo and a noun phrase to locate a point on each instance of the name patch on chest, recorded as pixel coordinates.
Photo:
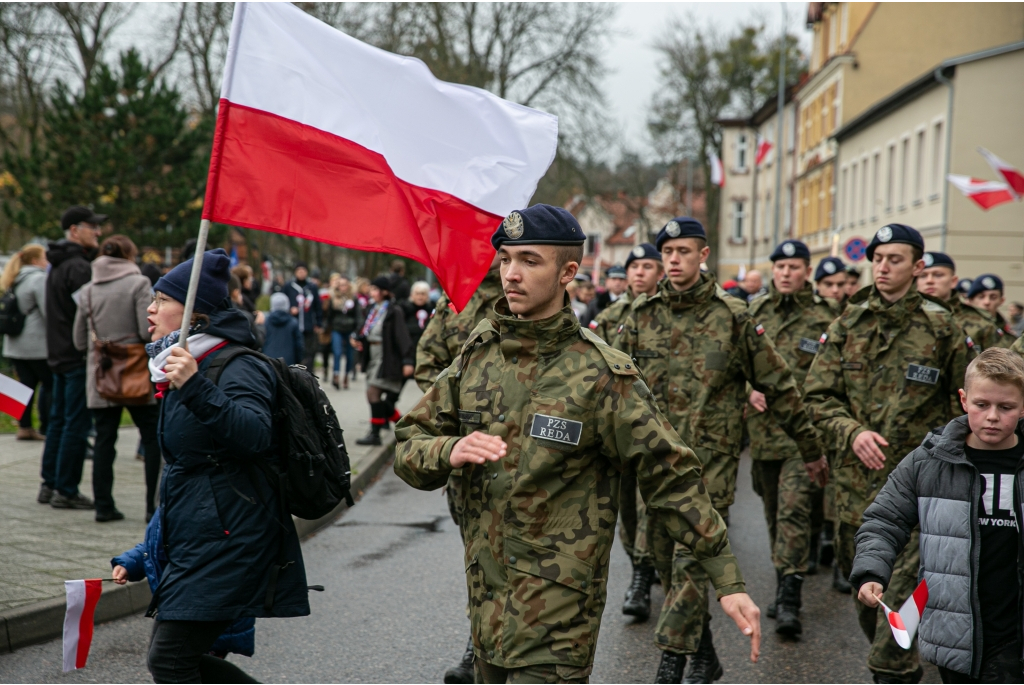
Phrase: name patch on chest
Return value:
(557, 429)
(922, 374)
(646, 354)
(470, 416)
(809, 346)
(851, 366)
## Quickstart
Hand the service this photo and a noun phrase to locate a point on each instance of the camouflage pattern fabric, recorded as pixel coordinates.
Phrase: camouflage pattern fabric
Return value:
(633, 521)
(606, 323)
(788, 496)
(886, 658)
(541, 673)
(977, 324)
(538, 524)
(1005, 336)
(894, 369)
(1018, 346)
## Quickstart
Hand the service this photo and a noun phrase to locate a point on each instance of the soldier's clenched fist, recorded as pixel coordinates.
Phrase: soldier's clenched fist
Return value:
(477, 448)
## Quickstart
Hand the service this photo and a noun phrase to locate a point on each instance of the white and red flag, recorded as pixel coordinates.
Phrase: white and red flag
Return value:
(78, 621)
(763, 148)
(986, 194)
(1013, 176)
(904, 623)
(717, 170)
(14, 397)
(321, 136)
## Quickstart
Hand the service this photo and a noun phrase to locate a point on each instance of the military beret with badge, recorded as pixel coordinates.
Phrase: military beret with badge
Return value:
(985, 282)
(539, 225)
(643, 251)
(615, 272)
(938, 259)
(895, 234)
(829, 266)
(791, 249)
(680, 227)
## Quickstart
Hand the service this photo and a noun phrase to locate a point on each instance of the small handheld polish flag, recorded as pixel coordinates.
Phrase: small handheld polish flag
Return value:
(904, 623)
(14, 397)
(78, 621)
(717, 171)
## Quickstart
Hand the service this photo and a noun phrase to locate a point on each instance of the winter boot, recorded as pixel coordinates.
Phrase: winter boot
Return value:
(788, 621)
(670, 670)
(463, 673)
(773, 607)
(840, 584)
(377, 422)
(638, 596)
(812, 556)
(704, 665)
(828, 552)
(336, 382)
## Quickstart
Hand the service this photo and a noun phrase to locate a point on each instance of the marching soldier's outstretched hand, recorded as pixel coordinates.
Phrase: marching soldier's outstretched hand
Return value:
(741, 609)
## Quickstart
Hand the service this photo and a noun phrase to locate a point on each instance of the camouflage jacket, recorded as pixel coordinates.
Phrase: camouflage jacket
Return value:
(1006, 336)
(978, 325)
(794, 323)
(698, 349)
(538, 524)
(606, 323)
(446, 332)
(894, 369)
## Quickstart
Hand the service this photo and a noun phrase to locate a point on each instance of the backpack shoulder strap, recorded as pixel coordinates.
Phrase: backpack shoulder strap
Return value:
(223, 357)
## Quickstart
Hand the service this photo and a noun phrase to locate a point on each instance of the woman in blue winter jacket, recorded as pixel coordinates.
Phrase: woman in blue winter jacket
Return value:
(231, 551)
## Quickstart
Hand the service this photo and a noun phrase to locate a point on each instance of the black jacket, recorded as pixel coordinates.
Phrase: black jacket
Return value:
(397, 345)
(70, 270)
(416, 318)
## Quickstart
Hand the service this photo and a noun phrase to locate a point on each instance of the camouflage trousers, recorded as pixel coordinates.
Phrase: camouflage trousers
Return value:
(633, 520)
(541, 673)
(886, 658)
(789, 498)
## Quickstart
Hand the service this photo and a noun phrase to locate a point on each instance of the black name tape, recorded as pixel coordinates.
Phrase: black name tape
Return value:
(810, 346)
(922, 374)
(470, 416)
(556, 429)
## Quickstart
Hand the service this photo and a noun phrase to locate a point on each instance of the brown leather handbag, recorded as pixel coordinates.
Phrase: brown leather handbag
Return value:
(122, 371)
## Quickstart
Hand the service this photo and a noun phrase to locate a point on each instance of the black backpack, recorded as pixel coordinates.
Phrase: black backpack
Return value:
(12, 321)
(311, 472)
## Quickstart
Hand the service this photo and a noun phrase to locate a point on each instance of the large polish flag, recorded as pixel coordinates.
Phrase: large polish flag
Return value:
(78, 620)
(986, 194)
(1011, 174)
(14, 397)
(323, 137)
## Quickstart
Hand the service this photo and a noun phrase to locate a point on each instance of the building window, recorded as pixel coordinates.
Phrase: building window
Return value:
(835, 106)
(938, 145)
(864, 190)
(876, 168)
(790, 127)
(919, 167)
(851, 202)
(787, 213)
(904, 163)
(591, 244)
(844, 194)
(890, 177)
(741, 152)
(738, 216)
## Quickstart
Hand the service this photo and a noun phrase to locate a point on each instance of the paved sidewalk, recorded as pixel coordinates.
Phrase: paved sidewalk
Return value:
(40, 547)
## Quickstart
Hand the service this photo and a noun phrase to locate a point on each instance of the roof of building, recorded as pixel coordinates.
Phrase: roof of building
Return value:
(918, 87)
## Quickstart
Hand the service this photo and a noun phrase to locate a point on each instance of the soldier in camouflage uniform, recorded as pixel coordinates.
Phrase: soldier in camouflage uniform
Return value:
(938, 281)
(794, 318)
(887, 372)
(986, 293)
(830, 279)
(541, 417)
(445, 334)
(698, 348)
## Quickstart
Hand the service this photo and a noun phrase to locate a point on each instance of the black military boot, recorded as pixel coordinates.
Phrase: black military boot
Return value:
(670, 670)
(638, 596)
(463, 673)
(840, 584)
(812, 556)
(704, 665)
(773, 607)
(828, 553)
(788, 621)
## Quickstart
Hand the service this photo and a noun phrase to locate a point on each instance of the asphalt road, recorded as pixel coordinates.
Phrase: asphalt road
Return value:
(393, 611)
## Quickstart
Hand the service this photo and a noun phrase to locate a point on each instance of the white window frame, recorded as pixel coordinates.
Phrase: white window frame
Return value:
(938, 158)
(741, 152)
(739, 213)
(904, 171)
(920, 141)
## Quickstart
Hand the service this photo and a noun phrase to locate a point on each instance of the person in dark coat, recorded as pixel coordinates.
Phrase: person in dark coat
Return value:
(304, 296)
(283, 339)
(391, 358)
(417, 310)
(224, 532)
(400, 288)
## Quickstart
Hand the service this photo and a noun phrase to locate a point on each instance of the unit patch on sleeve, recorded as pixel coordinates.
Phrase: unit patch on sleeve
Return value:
(759, 329)
(557, 429)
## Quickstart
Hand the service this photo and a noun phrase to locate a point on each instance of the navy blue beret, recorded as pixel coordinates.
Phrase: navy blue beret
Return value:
(615, 272)
(583, 278)
(829, 266)
(939, 259)
(852, 270)
(963, 286)
(212, 291)
(643, 251)
(892, 234)
(539, 225)
(985, 282)
(790, 249)
(680, 227)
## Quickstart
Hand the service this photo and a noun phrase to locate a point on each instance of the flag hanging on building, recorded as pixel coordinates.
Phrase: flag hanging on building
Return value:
(904, 623)
(323, 137)
(14, 397)
(78, 620)
(986, 194)
(763, 148)
(717, 170)
(1014, 178)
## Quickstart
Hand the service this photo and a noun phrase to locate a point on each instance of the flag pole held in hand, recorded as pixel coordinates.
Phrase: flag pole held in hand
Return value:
(193, 282)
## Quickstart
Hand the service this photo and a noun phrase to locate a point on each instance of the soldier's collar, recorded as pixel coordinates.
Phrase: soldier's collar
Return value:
(700, 292)
(803, 297)
(540, 337)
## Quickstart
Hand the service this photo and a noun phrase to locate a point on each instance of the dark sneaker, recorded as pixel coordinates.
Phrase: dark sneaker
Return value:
(79, 501)
(106, 516)
(45, 494)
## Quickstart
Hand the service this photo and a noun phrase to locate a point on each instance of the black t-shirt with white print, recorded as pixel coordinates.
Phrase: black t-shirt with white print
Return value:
(997, 578)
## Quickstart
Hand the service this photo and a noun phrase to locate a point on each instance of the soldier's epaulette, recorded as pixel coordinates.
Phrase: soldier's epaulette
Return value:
(644, 298)
(482, 330)
(757, 303)
(930, 301)
(939, 317)
(618, 362)
(737, 306)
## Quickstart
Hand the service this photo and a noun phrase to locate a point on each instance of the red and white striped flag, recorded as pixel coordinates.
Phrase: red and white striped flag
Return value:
(321, 136)
(1013, 176)
(717, 170)
(904, 623)
(763, 148)
(14, 397)
(986, 194)
(78, 621)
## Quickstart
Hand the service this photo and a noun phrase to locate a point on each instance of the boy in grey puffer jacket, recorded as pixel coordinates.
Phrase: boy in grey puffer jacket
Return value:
(962, 486)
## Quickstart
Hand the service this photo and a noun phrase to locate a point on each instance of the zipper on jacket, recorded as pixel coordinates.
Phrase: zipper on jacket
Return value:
(1019, 511)
(977, 639)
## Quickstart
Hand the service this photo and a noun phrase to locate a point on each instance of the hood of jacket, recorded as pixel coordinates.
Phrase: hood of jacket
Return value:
(26, 271)
(279, 319)
(106, 269)
(63, 250)
(232, 325)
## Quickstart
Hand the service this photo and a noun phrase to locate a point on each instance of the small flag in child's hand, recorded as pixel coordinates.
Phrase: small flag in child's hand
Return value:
(904, 623)
(14, 397)
(78, 621)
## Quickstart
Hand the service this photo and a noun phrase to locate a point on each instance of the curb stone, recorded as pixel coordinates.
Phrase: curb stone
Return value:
(43, 621)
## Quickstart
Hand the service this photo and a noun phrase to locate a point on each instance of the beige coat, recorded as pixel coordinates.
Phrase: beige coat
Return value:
(117, 296)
